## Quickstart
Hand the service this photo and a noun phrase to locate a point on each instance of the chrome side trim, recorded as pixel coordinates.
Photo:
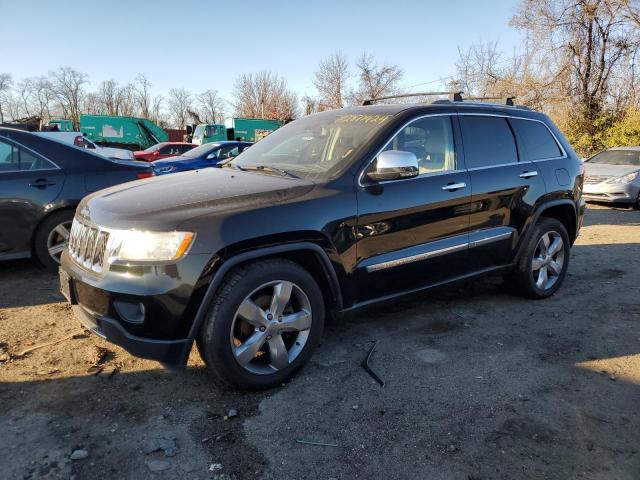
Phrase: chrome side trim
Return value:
(416, 258)
(494, 238)
(441, 251)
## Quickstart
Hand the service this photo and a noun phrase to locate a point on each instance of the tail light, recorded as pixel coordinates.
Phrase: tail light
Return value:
(144, 174)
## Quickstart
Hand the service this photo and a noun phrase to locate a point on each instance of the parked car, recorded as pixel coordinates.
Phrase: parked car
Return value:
(332, 212)
(163, 150)
(41, 183)
(77, 139)
(613, 176)
(204, 156)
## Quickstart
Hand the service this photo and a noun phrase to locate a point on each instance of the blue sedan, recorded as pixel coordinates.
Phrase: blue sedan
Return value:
(204, 156)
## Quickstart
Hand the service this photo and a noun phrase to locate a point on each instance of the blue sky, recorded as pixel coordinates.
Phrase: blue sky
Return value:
(207, 44)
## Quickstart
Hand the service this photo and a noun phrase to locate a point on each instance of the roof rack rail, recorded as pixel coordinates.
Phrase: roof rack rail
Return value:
(453, 96)
(505, 100)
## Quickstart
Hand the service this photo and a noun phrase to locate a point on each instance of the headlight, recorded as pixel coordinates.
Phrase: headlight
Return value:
(628, 178)
(137, 246)
(162, 170)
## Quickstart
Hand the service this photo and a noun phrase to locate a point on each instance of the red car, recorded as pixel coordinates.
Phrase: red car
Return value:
(163, 150)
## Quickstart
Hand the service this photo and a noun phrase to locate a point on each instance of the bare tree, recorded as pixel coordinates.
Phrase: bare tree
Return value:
(68, 84)
(156, 110)
(588, 39)
(142, 89)
(331, 80)
(375, 80)
(309, 105)
(5, 89)
(128, 100)
(109, 97)
(212, 107)
(264, 95)
(179, 103)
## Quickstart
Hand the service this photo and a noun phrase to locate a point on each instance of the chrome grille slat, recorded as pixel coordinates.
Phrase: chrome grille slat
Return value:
(591, 179)
(87, 246)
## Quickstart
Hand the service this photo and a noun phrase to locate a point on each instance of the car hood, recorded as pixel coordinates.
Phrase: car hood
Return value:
(601, 169)
(163, 203)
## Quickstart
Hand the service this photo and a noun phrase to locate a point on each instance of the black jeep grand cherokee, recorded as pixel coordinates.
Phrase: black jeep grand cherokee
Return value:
(332, 212)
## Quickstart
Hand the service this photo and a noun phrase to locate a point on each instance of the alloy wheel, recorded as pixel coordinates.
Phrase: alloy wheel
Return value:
(271, 327)
(548, 260)
(58, 240)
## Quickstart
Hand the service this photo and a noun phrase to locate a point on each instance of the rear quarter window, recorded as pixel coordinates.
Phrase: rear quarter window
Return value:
(537, 140)
(488, 141)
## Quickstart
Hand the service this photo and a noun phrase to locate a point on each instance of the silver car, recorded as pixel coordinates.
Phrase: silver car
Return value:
(614, 176)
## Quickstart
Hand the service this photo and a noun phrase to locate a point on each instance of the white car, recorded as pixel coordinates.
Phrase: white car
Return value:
(77, 139)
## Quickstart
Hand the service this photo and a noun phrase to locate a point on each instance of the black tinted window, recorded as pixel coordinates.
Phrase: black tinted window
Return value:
(487, 141)
(538, 141)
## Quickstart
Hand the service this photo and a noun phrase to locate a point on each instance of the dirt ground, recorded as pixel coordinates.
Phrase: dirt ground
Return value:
(480, 384)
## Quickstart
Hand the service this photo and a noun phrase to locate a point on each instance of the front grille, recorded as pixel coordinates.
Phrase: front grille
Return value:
(591, 179)
(87, 246)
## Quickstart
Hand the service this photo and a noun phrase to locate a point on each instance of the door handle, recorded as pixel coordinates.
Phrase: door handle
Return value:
(530, 174)
(42, 183)
(450, 187)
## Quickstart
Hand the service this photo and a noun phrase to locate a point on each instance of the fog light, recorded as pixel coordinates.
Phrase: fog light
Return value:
(132, 312)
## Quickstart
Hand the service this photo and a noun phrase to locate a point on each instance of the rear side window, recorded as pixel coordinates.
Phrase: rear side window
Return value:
(29, 161)
(488, 141)
(538, 142)
(9, 159)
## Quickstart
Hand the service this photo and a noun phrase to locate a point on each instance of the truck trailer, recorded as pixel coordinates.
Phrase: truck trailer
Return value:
(133, 133)
(240, 129)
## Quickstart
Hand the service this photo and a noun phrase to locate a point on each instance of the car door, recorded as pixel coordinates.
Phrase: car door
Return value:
(413, 232)
(504, 188)
(28, 183)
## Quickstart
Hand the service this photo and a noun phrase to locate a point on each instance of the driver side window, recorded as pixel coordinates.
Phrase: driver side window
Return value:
(430, 139)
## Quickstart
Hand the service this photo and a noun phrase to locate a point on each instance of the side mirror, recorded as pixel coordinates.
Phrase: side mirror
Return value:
(394, 165)
(156, 152)
(212, 156)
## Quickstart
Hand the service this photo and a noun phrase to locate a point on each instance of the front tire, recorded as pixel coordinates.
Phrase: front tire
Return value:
(264, 323)
(544, 261)
(52, 238)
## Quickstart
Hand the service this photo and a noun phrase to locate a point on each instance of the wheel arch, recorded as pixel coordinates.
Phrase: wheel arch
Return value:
(563, 210)
(45, 217)
(309, 255)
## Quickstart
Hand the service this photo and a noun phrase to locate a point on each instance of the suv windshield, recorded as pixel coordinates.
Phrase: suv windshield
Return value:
(317, 146)
(617, 157)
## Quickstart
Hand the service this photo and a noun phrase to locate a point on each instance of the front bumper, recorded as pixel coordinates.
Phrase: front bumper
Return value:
(611, 193)
(148, 311)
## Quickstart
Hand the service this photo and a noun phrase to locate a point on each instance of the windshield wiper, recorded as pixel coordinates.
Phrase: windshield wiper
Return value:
(267, 168)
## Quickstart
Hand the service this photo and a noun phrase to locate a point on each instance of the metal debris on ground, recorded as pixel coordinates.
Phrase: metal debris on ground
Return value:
(367, 368)
(320, 444)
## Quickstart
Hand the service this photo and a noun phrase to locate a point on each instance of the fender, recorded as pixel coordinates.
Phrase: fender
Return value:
(534, 218)
(259, 253)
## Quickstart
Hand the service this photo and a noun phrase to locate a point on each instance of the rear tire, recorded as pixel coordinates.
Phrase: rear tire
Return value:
(544, 261)
(52, 238)
(243, 345)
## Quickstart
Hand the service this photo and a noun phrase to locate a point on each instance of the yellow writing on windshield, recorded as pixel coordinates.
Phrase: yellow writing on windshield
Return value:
(363, 118)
